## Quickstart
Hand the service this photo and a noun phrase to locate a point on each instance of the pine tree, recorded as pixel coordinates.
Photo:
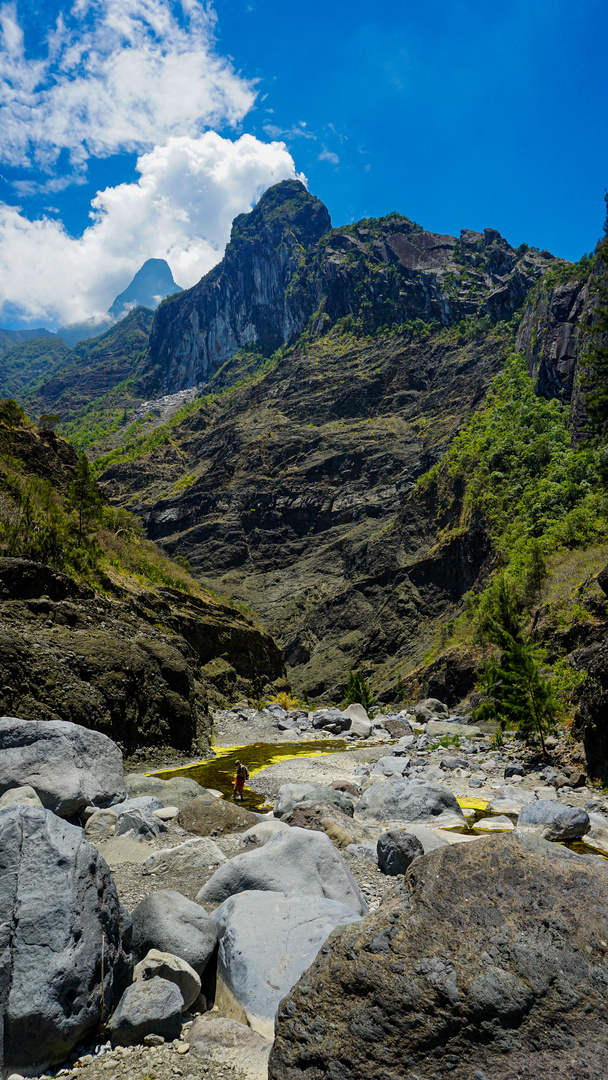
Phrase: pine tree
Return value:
(83, 497)
(516, 694)
(358, 690)
(595, 360)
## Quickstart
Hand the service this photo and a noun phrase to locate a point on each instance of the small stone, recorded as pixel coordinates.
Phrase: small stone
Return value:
(181, 1047)
(154, 1040)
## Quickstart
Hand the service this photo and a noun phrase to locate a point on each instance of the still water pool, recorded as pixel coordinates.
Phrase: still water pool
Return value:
(219, 772)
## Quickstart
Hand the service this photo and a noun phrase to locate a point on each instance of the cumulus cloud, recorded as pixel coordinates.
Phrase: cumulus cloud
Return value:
(116, 75)
(180, 209)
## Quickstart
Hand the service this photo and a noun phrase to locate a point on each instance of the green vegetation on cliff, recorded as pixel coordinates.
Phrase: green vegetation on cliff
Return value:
(514, 463)
(52, 512)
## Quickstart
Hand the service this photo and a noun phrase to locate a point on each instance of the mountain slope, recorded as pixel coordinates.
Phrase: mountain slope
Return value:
(99, 627)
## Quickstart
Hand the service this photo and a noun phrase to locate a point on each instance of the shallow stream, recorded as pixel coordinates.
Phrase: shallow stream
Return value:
(219, 772)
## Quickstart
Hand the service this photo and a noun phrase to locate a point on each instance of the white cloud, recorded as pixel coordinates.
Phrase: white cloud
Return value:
(181, 209)
(118, 75)
(328, 155)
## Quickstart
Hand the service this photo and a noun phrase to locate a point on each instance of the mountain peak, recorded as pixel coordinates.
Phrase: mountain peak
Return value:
(287, 205)
(152, 282)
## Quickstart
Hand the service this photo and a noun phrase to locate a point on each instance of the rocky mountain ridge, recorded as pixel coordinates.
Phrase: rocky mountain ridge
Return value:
(286, 269)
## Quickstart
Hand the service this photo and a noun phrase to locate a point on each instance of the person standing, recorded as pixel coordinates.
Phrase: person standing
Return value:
(242, 774)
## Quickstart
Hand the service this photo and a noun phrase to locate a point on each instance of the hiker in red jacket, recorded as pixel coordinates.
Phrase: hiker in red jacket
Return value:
(242, 774)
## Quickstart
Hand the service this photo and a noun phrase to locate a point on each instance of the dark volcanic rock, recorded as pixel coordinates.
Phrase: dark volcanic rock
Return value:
(491, 963)
(591, 719)
(140, 670)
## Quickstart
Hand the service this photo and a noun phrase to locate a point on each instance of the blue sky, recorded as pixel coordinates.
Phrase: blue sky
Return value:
(139, 128)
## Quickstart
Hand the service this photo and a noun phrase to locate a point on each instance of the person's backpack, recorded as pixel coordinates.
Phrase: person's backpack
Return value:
(244, 772)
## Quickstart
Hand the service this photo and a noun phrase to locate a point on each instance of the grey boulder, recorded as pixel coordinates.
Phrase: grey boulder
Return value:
(331, 720)
(408, 799)
(514, 770)
(391, 765)
(164, 965)
(448, 763)
(553, 821)
(58, 910)
(68, 766)
(396, 850)
(255, 968)
(360, 723)
(289, 795)
(296, 861)
(260, 834)
(147, 1008)
(200, 853)
(139, 824)
(169, 922)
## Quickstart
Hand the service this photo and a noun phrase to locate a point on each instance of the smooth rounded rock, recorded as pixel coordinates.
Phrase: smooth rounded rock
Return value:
(256, 968)
(289, 795)
(408, 799)
(172, 923)
(554, 821)
(147, 1008)
(100, 825)
(206, 815)
(67, 765)
(295, 861)
(20, 796)
(168, 966)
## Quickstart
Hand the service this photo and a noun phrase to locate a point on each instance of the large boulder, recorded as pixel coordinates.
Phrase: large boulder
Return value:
(256, 969)
(152, 1007)
(491, 963)
(341, 829)
(68, 766)
(331, 720)
(207, 815)
(201, 853)
(294, 861)
(360, 723)
(260, 834)
(58, 910)
(171, 923)
(553, 821)
(408, 799)
(289, 795)
(175, 791)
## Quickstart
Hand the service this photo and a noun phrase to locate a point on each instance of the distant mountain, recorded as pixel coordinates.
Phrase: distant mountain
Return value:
(8, 338)
(151, 284)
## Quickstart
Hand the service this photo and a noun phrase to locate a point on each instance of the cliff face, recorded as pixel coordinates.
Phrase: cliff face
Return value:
(296, 495)
(243, 300)
(285, 270)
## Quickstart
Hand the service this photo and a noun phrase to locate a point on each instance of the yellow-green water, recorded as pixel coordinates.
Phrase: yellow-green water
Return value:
(219, 772)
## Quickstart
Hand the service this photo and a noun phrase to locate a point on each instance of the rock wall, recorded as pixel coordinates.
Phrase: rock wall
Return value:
(141, 669)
